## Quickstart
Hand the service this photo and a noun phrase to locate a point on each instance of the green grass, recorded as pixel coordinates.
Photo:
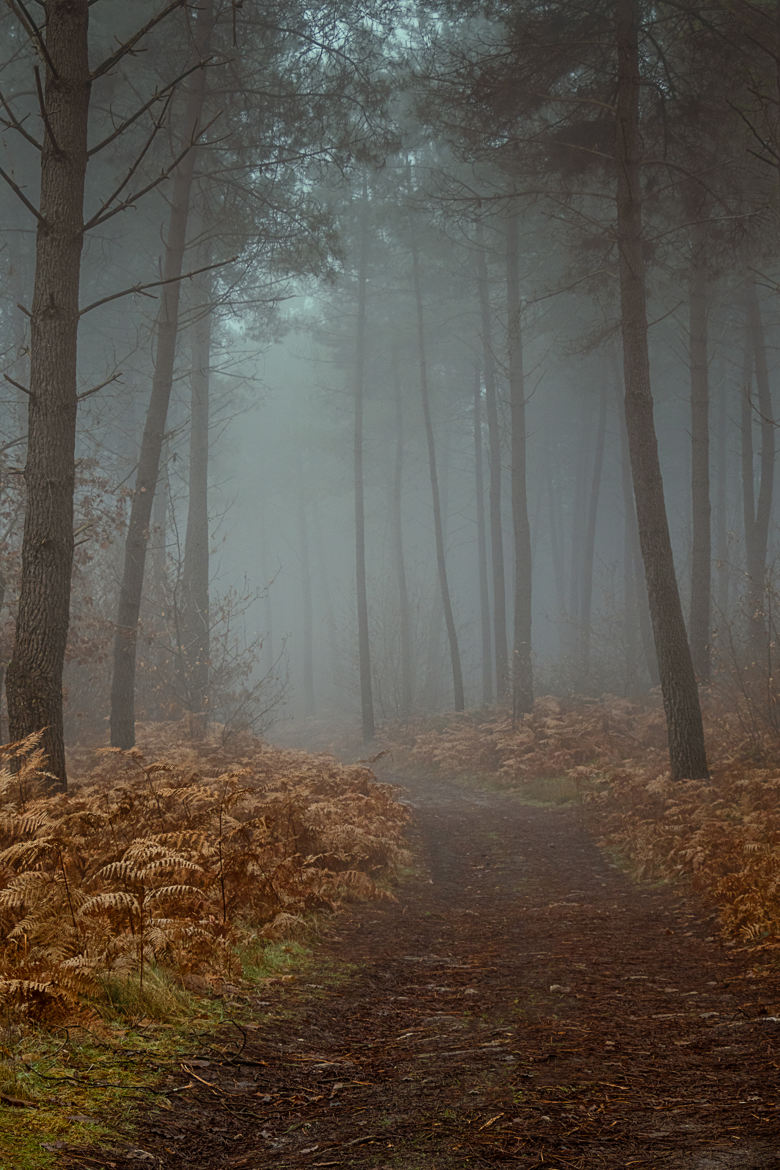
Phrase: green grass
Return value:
(88, 1080)
(84, 1082)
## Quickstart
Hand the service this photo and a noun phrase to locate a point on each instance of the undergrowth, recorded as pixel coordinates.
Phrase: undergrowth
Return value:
(139, 907)
(722, 835)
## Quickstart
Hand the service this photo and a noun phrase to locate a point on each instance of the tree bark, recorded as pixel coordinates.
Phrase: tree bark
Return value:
(678, 680)
(195, 569)
(522, 666)
(484, 601)
(757, 510)
(589, 549)
(494, 464)
(34, 675)
(307, 622)
(636, 617)
(364, 653)
(126, 636)
(404, 606)
(441, 561)
(700, 620)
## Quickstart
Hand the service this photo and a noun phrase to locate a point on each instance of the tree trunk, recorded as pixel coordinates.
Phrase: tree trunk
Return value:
(195, 569)
(555, 512)
(678, 680)
(34, 675)
(307, 622)
(589, 549)
(484, 602)
(364, 655)
(700, 620)
(522, 667)
(404, 606)
(757, 510)
(636, 618)
(449, 619)
(126, 636)
(723, 599)
(494, 463)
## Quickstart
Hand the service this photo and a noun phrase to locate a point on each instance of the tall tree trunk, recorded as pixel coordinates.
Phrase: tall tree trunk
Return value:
(553, 494)
(637, 612)
(589, 549)
(636, 618)
(404, 605)
(307, 622)
(364, 654)
(522, 667)
(34, 675)
(195, 570)
(321, 574)
(131, 588)
(758, 509)
(441, 562)
(678, 680)
(700, 620)
(484, 601)
(723, 578)
(494, 464)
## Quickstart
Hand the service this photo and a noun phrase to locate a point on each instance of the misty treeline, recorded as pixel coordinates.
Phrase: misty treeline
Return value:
(381, 360)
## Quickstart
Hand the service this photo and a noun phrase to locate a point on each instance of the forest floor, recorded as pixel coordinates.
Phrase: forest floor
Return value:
(523, 1003)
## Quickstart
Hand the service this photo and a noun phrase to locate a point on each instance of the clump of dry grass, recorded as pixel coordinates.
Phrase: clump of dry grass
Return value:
(175, 862)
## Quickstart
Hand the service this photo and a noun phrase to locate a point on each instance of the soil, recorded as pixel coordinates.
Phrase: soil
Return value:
(523, 1003)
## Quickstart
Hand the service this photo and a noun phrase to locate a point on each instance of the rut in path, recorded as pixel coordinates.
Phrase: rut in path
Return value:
(523, 1004)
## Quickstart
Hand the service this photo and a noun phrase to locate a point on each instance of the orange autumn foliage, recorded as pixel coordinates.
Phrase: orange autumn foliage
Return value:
(176, 860)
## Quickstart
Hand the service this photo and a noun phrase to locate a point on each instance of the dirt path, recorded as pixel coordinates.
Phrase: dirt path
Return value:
(523, 1004)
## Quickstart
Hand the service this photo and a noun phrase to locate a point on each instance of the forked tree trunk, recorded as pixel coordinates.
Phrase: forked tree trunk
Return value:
(482, 569)
(494, 465)
(34, 675)
(678, 680)
(131, 588)
(700, 620)
(441, 561)
(522, 667)
(364, 653)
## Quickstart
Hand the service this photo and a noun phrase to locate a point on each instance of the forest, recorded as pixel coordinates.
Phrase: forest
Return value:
(387, 459)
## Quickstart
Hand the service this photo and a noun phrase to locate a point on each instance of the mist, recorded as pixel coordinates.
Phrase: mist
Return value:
(353, 306)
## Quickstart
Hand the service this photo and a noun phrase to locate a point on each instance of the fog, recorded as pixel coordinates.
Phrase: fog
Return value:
(400, 291)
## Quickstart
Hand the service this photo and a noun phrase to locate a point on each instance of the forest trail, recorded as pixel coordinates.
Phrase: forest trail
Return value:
(523, 1004)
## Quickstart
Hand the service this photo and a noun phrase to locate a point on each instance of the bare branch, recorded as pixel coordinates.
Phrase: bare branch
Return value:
(129, 174)
(128, 122)
(21, 195)
(44, 114)
(143, 288)
(128, 46)
(103, 213)
(13, 123)
(33, 32)
(24, 389)
(88, 393)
